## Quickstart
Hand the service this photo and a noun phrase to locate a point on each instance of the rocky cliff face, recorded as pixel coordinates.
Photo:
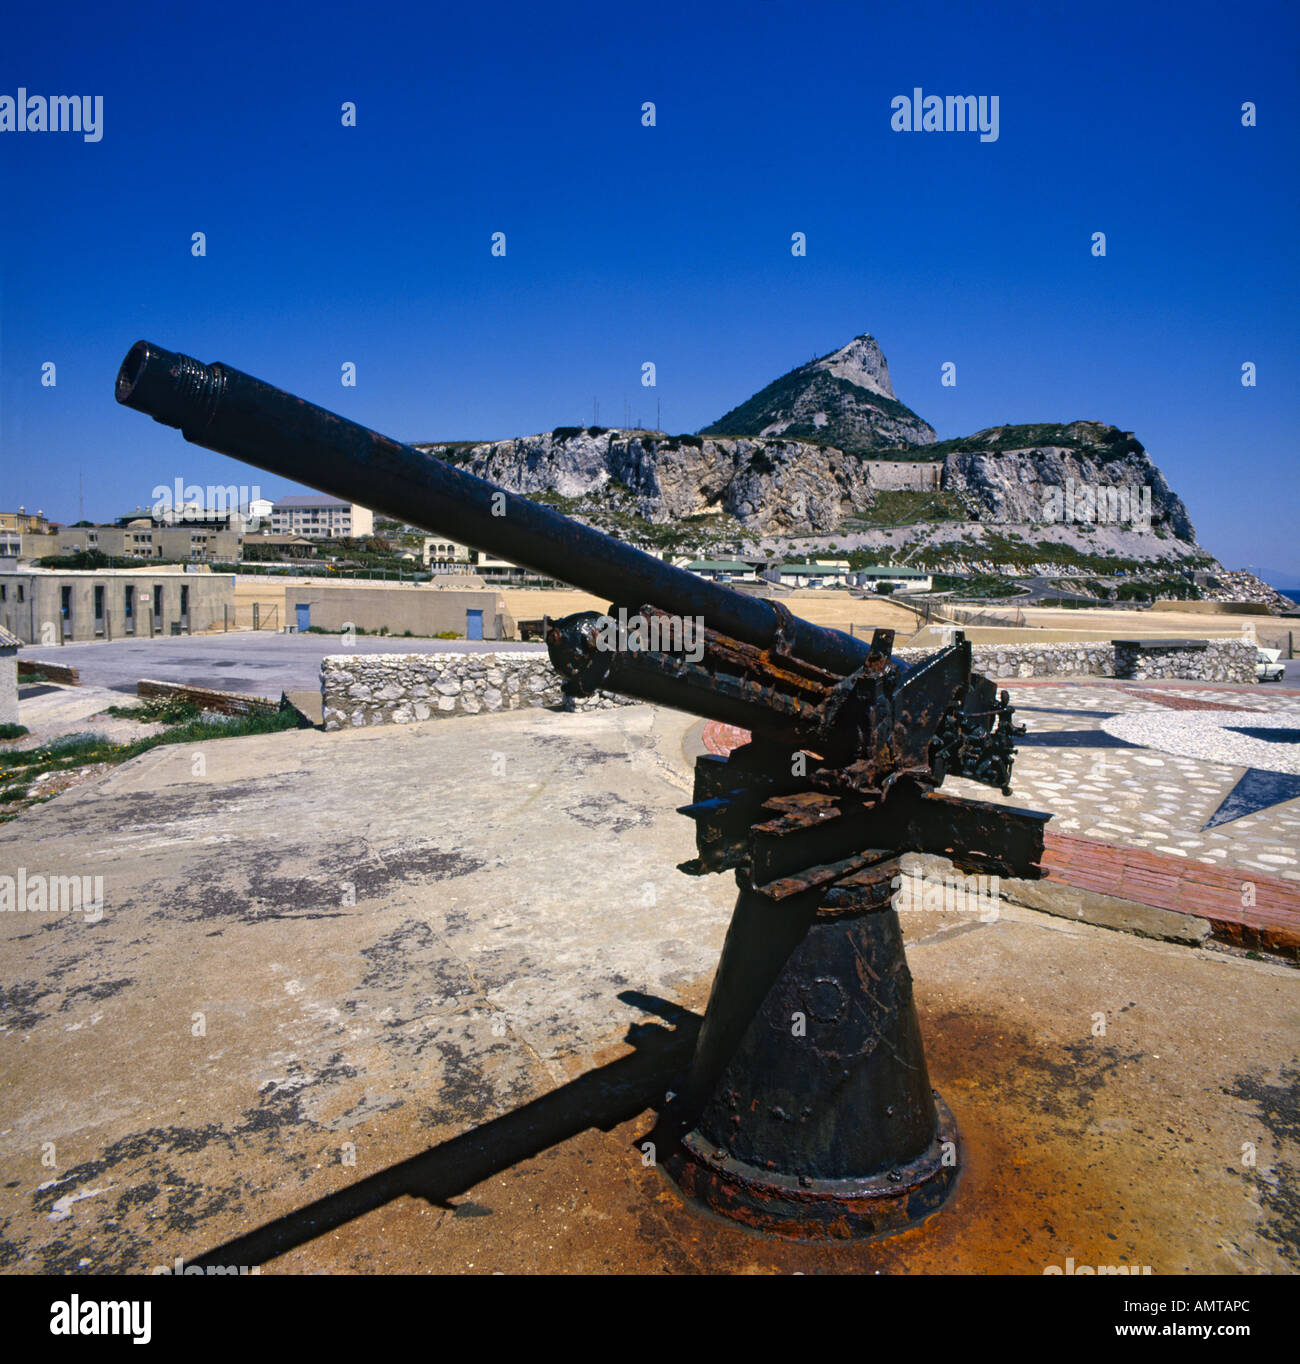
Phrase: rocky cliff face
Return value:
(771, 487)
(845, 399)
(1069, 484)
(782, 487)
(829, 450)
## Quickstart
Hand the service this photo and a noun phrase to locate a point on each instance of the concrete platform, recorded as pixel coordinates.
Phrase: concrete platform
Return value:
(262, 664)
(405, 999)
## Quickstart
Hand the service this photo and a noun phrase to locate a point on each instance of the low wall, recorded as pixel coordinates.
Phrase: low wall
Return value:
(205, 698)
(397, 689)
(383, 689)
(1211, 660)
(1213, 608)
(53, 672)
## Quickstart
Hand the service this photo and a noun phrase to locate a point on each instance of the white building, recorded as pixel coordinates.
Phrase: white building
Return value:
(723, 570)
(319, 517)
(834, 574)
(914, 579)
(439, 549)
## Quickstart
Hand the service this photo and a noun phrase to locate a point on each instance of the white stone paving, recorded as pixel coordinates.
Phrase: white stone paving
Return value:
(1152, 797)
(1211, 735)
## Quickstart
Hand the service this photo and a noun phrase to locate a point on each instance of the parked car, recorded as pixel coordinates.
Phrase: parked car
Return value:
(1267, 665)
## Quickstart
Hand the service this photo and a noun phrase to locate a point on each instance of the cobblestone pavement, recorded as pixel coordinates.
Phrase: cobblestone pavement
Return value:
(1135, 764)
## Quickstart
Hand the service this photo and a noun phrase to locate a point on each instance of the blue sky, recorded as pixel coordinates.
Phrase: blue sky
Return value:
(670, 244)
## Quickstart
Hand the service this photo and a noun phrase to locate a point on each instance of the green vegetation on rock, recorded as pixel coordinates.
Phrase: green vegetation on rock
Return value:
(1094, 440)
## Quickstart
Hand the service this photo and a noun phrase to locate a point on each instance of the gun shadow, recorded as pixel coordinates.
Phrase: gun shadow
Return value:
(605, 1097)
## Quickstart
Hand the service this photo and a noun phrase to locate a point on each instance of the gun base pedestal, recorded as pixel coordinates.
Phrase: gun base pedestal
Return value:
(835, 1209)
(808, 1112)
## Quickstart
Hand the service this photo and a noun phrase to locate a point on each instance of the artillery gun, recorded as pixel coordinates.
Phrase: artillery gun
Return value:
(808, 1109)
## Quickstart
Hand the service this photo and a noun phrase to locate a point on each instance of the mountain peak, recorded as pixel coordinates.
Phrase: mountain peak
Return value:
(861, 362)
(844, 399)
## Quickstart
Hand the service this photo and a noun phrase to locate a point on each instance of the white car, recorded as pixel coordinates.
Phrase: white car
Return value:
(1267, 666)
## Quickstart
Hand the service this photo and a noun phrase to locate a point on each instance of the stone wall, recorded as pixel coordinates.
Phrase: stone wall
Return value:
(1214, 660)
(382, 689)
(905, 475)
(397, 689)
(1220, 660)
(1034, 660)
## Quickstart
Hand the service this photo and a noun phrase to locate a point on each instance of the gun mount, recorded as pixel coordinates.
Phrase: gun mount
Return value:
(808, 1110)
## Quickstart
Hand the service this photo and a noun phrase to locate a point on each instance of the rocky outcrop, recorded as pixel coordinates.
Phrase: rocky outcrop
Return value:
(1064, 483)
(780, 487)
(845, 399)
(814, 450)
(771, 487)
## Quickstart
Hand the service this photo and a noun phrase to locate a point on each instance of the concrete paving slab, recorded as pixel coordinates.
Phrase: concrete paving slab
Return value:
(1121, 1150)
(404, 999)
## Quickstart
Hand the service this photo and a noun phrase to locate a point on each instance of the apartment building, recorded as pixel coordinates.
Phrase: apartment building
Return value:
(143, 539)
(23, 522)
(319, 517)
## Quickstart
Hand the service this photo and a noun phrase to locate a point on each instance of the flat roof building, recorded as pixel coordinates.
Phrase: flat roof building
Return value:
(723, 570)
(145, 539)
(320, 517)
(48, 606)
(898, 576)
(809, 575)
